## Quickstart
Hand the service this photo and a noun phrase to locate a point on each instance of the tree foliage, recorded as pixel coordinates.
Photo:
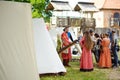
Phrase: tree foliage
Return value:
(38, 8)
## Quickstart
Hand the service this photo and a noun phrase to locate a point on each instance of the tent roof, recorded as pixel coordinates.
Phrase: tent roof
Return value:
(59, 6)
(107, 4)
(85, 7)
(43, 41)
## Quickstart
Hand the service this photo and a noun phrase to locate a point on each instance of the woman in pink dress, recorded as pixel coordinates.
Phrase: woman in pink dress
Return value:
(86, 63)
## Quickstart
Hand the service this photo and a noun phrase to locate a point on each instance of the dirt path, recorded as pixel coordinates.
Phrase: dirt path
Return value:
(114, 74)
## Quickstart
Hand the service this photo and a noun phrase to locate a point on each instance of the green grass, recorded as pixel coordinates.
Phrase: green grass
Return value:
(73, 73)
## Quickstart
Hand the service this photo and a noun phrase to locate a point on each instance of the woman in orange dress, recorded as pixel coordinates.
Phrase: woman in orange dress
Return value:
(105, 56)
(86, 63)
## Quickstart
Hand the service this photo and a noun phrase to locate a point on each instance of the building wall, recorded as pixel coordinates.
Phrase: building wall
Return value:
(107, 15)
(99, 19)
(103, 18)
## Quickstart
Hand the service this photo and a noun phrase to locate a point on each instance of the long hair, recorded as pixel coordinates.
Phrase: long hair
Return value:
(88, 41)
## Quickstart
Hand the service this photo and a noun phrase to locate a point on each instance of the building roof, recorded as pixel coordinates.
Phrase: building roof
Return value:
(85, 7)
(107, 4)
(59, 6)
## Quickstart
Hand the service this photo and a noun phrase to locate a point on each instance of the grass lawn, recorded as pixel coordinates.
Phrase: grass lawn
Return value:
(73, 73)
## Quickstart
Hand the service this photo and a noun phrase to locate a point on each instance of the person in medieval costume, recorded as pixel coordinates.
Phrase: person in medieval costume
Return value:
(105, 55)
(86, 63)
(114, 49)
(97, 47)
(66, 54)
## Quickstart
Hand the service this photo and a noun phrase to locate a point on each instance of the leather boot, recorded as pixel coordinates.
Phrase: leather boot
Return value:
(67, 63)
(64, 62)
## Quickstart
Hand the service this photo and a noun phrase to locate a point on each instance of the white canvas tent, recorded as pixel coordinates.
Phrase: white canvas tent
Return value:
(17, 55)
(48, 60)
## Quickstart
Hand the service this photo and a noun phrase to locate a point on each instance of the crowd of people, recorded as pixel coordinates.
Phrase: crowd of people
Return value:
(104, 46)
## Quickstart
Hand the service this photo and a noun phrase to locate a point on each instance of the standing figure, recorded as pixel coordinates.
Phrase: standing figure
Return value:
(94, 41)
(66, 54)
(97, 47)
(105, 56)
(86, 63)
(114, 49)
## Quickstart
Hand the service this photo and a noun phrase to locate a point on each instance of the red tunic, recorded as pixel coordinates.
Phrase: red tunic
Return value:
(65, 41)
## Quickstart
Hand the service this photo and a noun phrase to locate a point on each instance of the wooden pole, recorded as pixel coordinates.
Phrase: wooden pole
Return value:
(66, 47)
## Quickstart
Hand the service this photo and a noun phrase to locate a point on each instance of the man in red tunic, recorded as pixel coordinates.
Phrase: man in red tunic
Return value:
(66, 55)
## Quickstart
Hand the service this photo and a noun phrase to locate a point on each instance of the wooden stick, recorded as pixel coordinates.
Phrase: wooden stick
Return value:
(66, 47)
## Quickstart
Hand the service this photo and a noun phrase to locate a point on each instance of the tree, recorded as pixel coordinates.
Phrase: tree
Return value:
(38, 8)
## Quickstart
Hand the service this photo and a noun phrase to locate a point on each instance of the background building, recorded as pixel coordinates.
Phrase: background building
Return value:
(109, 14)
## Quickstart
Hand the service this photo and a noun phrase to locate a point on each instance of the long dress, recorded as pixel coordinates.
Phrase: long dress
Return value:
(66, 55)
(86, 63)
(105, 56)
